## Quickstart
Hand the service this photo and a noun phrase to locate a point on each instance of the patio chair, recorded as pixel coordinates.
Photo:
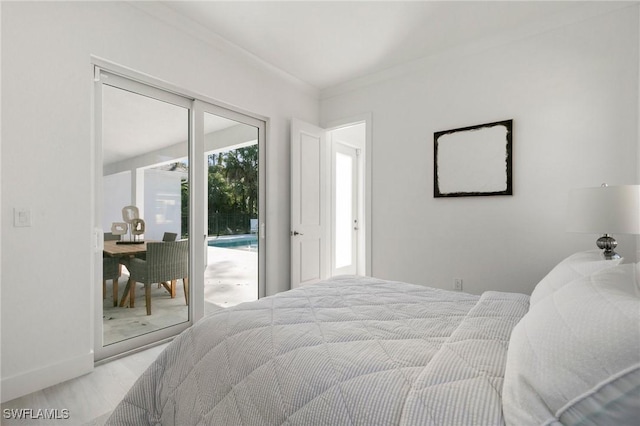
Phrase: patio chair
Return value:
(169, 236)
(110, 236)
(110, 271)
(166, 263)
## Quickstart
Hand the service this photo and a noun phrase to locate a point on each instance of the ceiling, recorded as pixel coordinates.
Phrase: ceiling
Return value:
(326, 43)
(322, 43)
(134, 125)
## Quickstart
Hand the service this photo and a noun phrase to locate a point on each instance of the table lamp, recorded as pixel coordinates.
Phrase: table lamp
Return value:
(605, 210)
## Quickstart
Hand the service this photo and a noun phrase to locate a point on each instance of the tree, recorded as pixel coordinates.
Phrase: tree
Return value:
(232, 190)
(241, 169)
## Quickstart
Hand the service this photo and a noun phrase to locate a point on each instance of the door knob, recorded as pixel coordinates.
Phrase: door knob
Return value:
(294, 233)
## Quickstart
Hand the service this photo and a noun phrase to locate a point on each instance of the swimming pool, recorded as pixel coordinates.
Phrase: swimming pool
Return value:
(240, 242)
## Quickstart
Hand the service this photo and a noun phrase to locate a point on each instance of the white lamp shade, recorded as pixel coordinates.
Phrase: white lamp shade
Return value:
(605, 210)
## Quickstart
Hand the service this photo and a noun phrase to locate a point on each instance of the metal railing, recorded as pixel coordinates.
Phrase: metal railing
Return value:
(223, 223)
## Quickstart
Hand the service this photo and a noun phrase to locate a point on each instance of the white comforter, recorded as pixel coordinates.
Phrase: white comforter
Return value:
(346, 351)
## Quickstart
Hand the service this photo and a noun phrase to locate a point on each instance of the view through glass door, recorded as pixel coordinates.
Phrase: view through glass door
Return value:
(154, 202)
(145, 194)
(232, 157)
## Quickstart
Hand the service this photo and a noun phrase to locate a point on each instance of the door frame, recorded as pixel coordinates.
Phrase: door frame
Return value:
(197, 203)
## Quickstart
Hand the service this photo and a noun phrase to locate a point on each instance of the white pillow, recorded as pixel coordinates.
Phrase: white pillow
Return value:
(573, 267)
(575, 356)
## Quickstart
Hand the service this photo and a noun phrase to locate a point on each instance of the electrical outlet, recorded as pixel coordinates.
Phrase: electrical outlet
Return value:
(457, 284)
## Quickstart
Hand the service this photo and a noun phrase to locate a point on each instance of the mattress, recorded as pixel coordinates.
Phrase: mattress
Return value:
(349, 350)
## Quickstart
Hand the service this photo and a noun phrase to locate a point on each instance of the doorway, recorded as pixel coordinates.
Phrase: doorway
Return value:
(330, 200)
(348, 208)
(344, 210)
(170, 166)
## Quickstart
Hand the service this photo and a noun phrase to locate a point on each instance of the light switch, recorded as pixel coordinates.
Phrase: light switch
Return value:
(21, 217)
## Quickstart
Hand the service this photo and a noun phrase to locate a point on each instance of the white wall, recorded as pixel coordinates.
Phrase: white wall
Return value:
(162, 203)
(572, 92)
(162, 207)
(47, 163)
(116, 194)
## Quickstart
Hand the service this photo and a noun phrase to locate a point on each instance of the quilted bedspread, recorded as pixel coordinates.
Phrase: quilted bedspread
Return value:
(347, 351)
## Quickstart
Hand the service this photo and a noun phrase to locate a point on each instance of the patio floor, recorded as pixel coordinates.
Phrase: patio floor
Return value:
(231, 278)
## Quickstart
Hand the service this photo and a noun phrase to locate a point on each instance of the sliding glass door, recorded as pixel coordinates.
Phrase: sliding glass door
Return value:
(231, 155)
(172, 172)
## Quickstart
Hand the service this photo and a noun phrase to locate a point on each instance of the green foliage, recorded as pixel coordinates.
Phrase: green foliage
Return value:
(232, 191)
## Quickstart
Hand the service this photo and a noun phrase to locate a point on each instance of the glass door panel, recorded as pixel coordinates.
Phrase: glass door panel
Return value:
(345, 210)
(145, 217)
(232, 154)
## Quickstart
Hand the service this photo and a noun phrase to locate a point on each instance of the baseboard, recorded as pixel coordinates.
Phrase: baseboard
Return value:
(23, 384)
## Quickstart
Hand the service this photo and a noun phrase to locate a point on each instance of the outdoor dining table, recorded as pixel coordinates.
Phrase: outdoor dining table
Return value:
(113, 249)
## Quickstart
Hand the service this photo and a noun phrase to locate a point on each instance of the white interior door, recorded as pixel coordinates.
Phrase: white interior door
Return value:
(308, 204)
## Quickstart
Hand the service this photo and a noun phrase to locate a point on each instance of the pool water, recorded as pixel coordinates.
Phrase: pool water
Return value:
(239, 242)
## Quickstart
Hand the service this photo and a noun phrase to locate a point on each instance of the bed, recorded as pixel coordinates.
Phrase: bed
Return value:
(364, 351)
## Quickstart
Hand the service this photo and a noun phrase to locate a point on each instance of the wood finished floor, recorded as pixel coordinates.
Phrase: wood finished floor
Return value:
(89, 398)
